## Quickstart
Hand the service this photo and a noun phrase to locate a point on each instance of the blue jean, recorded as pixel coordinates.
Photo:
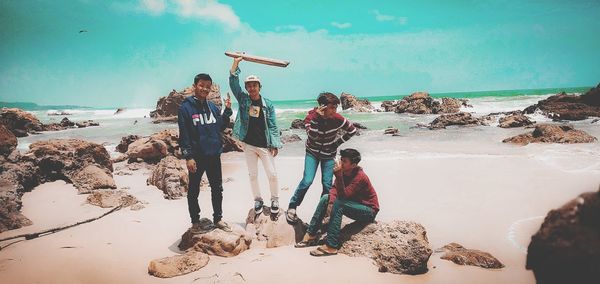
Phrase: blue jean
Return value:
(351, 209)
(310, 168)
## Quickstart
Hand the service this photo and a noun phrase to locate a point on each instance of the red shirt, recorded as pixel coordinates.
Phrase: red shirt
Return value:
(358, 189)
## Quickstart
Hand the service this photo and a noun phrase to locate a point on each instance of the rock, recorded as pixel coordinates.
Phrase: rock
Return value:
(167, 119)
(463, 256)
(148, 149)
(566, 249)
(391, 131)
(111, 198)
(351, 102)
(10, 205)
(298, 124)
(178, 265)
(8, 141)
(120, 110)
(290, 138)
(461, 118)
(168, 106)
(229, 143)
(125, 141)
(58, 113)
(417, 103)
(549, 133)
(569, 107)
(171, 177)
(514, 121)
(358, 125)
(398, 247)
(217, 241)
(275, 230)
(389, 105)
(91, 178)
(19, 122)
(65, 122)
(449, 105)
(87, 123)
(594, 121)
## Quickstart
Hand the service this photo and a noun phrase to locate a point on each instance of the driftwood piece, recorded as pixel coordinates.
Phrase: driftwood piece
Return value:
(259, 59)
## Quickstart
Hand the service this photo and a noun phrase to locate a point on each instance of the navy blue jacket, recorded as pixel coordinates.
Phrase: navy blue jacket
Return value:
(200, 126)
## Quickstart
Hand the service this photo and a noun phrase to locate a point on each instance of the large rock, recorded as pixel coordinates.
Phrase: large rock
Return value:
(298, 124)
(171, 177)
(460, 255)
(517, 120)
(178, 265)
(125, 142)
(397, 247)
(422, 103)
(566, 249)
(290, 138)
(569, 107)
(229, 143)
(168, 106)
(111, 198)
(148, 149)
(217, 241)
(549, 133)
(461, 119)
(91, 178)
(8, 141)
(19, 122)
(274, 229)
(351, 102)
(10, 206)
(87, 123)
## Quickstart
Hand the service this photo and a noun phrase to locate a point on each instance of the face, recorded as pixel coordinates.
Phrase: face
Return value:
(202, 89)
(253, 88)
(346, 164)
(330, 110)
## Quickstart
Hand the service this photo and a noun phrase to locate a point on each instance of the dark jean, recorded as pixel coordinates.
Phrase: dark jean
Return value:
(351, 209)
(212, 166)
(310, 168)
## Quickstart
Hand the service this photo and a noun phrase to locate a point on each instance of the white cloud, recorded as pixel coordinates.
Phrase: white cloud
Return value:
(341, 25)
(155, 7)
(389, 18)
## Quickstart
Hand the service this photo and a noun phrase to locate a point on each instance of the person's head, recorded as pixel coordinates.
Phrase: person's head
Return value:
(330, 101)
(202, 85)
(349, 158)
(253, 85)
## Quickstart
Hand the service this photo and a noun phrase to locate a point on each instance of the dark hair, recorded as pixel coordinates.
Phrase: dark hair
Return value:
(351, 154)
(327, 98)
(203, 77)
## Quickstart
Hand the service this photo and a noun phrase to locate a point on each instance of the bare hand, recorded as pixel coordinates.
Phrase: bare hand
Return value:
(338, 166)
(328, 212)
(320, 110)
(228, 102)
(274, 151)
(191, 165)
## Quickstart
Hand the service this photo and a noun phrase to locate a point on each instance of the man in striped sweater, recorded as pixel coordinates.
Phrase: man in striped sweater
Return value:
(322, 125)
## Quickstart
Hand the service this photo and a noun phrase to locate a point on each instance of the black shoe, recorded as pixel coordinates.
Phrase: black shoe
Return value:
(258, 207)
(291, 215)
(274, 206)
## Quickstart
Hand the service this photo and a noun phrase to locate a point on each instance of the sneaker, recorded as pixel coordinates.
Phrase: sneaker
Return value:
(291, 215)
(223, 226)
(258, 207)
(274, 206)
(201, 227)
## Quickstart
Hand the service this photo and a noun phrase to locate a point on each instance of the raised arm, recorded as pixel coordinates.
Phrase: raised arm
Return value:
(234, 80)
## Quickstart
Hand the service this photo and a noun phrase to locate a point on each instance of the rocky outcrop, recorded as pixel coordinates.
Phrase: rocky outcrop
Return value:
(290, 138)
(460, 255)
(217, 241)
(351, 102)
(274, 229)
(125, 142)
(398, 247)
(566, 249)
(91, 178)
(178, 265)
(422, 103)
(391, 131)
(155, 147)
(19, 122)
(229, 143)
(111, 198)
(549, 133)
(515, 121)
(87, 123)
(171, 177)
(8, 141)
(167, 107)
(460, 119)
(565, 106)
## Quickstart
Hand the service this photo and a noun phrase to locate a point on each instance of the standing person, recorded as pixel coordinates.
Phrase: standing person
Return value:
(322, 125)
(255, 125)
(200, 125)
(352, 196)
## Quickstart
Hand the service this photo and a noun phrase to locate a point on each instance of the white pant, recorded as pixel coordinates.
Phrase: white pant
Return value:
(253, 153)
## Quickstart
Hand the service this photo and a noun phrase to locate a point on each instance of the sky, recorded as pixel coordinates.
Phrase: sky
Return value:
(136, 51)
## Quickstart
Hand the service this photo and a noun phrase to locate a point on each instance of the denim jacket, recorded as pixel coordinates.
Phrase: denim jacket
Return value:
(240, 128)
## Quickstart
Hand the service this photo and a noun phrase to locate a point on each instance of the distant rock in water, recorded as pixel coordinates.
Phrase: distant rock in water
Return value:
(569, 107)
(167, 107)
(463, 256)
(87, 123)
(550, 133)
(120, 110)
(298, 124)
(290, 138)
(566, 249)
(349, 101)
(459, 119)
(58, 113)
(514, 121)
(422, 103)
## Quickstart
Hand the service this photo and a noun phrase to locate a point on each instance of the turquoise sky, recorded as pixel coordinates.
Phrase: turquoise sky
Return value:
(135, 51)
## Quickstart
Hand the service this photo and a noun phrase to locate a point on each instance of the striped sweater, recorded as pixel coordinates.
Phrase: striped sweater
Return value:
(323, 139)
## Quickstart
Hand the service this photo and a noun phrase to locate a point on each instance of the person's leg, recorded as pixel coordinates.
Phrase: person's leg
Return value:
(213, 171)
(252, 155)
(327, 174)
(317, 218)
(194, 191)
(349, 208)
(310, 168)
(268, 162)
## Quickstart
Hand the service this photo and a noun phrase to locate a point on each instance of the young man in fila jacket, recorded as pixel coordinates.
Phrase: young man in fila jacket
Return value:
(255, 125)
(322, 125)
(200, 126)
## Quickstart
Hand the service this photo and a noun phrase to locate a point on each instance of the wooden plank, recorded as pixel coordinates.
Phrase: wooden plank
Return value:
(259, 59)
